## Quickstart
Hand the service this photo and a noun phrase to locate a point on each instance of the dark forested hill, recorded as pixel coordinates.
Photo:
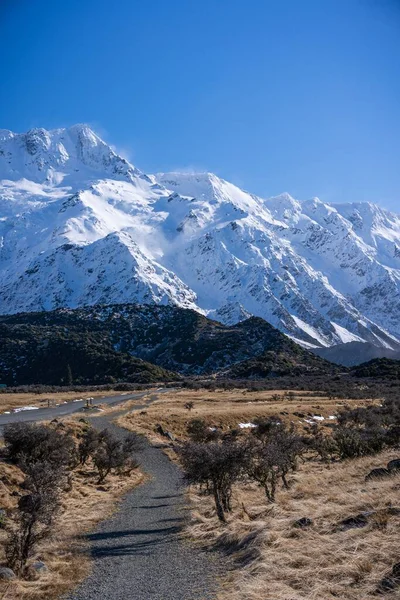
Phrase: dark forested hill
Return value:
(380, 368)
(105, 343)
(54, 355)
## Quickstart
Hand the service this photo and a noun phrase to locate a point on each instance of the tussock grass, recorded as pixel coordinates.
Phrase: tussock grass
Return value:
(227, 409)
(275, 561)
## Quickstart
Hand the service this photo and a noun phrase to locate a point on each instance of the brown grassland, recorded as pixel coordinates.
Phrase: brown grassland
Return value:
(82, 508)
(226, 409)
(273, 560)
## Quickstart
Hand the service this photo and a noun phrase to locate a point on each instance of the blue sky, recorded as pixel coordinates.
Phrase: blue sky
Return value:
(276, 95)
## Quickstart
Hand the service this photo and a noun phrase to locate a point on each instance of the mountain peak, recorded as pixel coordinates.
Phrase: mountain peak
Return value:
(74, 153)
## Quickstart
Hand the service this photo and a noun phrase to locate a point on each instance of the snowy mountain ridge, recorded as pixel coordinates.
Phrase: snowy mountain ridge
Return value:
(80, 225)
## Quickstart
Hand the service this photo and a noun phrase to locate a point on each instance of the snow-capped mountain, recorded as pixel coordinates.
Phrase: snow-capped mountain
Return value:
(81, 225)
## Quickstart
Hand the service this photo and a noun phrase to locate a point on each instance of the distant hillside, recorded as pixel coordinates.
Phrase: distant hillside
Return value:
(379, 368)
(288, 359)
(355, 353)
(99, 343)
(54, 355)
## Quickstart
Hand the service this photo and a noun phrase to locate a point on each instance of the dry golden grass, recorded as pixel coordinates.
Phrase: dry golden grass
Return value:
(8, 401)
(229, 408)
(65, 553)
(274, 560)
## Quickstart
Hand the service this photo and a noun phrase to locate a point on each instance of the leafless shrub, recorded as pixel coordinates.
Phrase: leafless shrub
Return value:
(30, 443)
(114, 454)
(199, 431)
(215, 465)
(324, 445)
(272, 452)
(35, 513)
(88, 445)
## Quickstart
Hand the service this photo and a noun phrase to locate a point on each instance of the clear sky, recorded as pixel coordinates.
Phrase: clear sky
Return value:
(300, 96)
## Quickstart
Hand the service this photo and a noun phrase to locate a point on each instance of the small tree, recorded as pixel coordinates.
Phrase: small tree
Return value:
(215, 465)
(266, 464)
(272, 453)
(35, 513)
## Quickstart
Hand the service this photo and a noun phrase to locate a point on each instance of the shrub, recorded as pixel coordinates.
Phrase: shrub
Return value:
(113, 453)
(354, 442)
(29, 443)
(35, 513)
(271, 453)
(215, 465)
(324, 445)
(88, 445)
(199, 431)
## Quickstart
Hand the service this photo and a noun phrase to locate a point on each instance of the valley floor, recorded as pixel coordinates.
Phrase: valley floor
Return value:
(154, 545)
(275, 560)
(228, 409)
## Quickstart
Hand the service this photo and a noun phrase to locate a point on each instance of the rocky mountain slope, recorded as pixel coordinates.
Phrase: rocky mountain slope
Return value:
(101, 344)
(80, 225)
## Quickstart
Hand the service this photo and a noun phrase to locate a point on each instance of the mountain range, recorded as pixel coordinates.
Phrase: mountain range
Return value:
(80, 225)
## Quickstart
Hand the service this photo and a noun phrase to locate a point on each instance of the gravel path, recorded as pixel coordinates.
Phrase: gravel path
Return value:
(67, 408)
(138, 554)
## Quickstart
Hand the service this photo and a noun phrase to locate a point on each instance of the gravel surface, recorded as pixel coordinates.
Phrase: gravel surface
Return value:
(139, 554)
(67, 408)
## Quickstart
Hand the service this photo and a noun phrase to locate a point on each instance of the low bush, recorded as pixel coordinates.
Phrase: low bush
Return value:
(114, 454)
(199, 431)
(216, 466)
(30, 443)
